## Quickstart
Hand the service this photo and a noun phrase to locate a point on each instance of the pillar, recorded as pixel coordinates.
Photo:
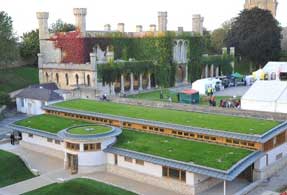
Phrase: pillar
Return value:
(139, 28)
(212, 70)
(232, 53)
(121, 27)
(162, 21)
(94, 78)
(80, 19)
(43, 24)
(217, 71)
(40, 65)
(224, 187)
(149, 81)
(224, 51)
(141, 82)
(152, 28)
(112, 89)
(186, 74)
(206, 71)
(132, 82)
(107, 27)
(122, 84)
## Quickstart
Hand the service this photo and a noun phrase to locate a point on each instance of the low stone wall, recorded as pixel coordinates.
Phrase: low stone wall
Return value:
(44, 150)
(204, 109)
(169, 184)
(270, 169)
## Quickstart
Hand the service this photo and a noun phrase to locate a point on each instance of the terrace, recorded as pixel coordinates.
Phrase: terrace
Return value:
(225, 123)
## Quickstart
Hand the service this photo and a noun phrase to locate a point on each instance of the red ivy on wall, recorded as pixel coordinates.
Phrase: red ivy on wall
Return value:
(72, 46)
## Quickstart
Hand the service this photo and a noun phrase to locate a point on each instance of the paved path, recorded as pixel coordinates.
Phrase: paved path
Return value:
(275, 183)
(129, 184)
(233, 91)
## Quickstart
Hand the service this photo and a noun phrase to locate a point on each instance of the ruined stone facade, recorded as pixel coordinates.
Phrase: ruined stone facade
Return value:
(71, 75)
(270, 5)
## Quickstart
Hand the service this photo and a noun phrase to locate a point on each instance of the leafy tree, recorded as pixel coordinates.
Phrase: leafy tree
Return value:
(29, 47)
(8, 40)
(60, 26)
(256, 36)
(284, 39)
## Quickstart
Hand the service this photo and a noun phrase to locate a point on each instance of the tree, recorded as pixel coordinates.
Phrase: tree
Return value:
(256, 36)
(8, 40)
(29, 47)
(60, 26)
(219, 35)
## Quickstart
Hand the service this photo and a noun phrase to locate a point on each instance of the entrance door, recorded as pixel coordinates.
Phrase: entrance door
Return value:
(73, 163)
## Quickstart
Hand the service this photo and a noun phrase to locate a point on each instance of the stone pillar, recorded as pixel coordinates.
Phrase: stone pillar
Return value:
(122, 83)
(212, 70)
(206, 71)
(40, 65)
(43, 24)
(162, 21)
(152, 28)
(132, 82)
(232, 53)
(197, 24)
(141, 82)
(149, 81)
(217, 71)
(186, 74)
(139, 28)
(80, 19)
(112, 89)
(94, 77)
(224, 51)
(107, 27)
(121, 27)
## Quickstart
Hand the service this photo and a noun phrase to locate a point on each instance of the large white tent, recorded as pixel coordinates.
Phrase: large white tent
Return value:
(269, 96)
(202, 85)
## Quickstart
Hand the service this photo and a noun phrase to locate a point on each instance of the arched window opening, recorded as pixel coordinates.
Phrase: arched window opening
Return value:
(88, 80)
(57, 78)
(67, 79)
(47, 77)
(77, 79)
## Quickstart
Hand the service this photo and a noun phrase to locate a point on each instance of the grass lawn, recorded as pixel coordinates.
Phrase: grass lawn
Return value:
(211, 121)
(155, 95)
(210, 155)
(49, 123)
(12, 169)
(80, 187)
(90, 130)
(12, 79)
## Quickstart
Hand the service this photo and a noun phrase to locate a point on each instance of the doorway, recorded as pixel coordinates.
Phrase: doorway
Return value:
(73, 163)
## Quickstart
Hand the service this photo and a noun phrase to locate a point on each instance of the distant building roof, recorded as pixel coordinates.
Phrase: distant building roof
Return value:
(50, 86)
(39, 94)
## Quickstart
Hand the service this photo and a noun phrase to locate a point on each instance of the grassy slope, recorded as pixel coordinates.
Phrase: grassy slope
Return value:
(12, 169)
(49, 123)
(80, 187)
(211, 155)
(90, 130)
(211, 121)
(16, 78)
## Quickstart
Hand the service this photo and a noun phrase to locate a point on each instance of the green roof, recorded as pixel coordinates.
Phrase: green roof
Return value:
(200, 153)
(50, 123)
(90, 130)
(195, 119)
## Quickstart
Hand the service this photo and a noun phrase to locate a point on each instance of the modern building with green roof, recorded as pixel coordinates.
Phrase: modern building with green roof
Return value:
(188, 152)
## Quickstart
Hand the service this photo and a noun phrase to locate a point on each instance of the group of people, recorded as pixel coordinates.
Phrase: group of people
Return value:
(230, 103)
(15, 137)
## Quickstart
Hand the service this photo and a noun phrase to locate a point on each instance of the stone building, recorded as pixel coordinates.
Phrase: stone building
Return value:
(80, 72)
(270, 5)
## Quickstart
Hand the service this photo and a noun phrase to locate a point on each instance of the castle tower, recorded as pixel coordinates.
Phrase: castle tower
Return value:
(270, 5)
(121, 27)
(152, 28)
(43, 24)
(162, 21)
(139, 28)
(107, 27)
(197, 24)
(80, 19)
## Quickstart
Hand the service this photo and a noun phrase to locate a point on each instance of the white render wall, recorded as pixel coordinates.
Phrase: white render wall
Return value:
(42, 141)
(271, 155)
(94, 158)
(31, 107)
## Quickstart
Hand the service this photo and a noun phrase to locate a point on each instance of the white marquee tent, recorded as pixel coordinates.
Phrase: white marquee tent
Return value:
(269, 96)
(202, 85)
